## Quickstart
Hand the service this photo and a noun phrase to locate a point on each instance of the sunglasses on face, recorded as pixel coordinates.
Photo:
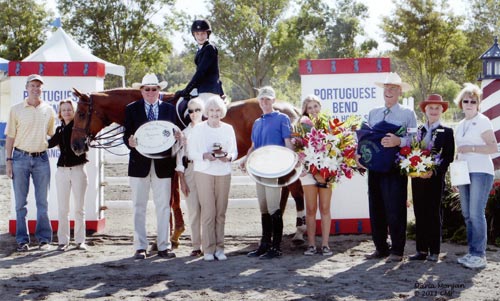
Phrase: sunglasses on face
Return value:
(471, 101)
(150, 89)
(192, 111)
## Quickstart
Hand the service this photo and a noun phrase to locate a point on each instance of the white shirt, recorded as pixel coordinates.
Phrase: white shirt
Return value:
(201, 141)
(468, 132)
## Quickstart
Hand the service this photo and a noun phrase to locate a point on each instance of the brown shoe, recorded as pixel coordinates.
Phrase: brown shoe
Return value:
(376, 255)
(394, 258)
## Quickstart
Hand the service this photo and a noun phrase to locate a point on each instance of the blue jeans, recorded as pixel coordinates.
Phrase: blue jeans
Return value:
(24, 166)
(473, 199)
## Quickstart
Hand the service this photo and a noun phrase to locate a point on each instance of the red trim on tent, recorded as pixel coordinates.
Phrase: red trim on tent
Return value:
(18, 68)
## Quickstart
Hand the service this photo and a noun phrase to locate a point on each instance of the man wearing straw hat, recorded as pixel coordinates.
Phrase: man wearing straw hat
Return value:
(146, 173)
(387, 190)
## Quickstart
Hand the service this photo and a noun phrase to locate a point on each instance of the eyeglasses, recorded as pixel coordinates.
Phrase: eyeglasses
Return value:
(192, 111)
(471, 101)
(150, 89)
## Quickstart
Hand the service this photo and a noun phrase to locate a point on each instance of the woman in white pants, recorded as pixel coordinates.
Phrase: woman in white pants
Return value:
(70, 176)
(185, 170)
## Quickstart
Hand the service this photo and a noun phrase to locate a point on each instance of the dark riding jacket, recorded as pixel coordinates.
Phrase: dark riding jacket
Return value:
(206, 79)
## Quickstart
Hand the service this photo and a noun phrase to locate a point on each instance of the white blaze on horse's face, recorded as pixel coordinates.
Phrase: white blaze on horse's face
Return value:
(266, 104)
(150, 93)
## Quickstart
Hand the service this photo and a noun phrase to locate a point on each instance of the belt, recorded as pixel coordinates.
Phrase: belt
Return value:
(37, 154)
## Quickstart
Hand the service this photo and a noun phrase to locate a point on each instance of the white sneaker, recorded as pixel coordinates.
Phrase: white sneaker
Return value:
(219, 255)
(208, 257)
(475, 262)
(464, 259)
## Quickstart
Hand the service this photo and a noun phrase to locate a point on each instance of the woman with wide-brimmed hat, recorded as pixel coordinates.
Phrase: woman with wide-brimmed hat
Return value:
(427, 190)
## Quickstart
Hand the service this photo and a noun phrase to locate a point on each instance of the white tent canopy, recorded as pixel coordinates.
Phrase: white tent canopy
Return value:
(60, 47)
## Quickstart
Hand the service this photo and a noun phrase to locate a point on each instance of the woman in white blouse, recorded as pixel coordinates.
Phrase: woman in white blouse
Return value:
(475, 142)
(212, 147)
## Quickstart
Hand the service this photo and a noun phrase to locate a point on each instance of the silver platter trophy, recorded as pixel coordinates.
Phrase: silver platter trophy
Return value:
(155, 138)
(273, 166)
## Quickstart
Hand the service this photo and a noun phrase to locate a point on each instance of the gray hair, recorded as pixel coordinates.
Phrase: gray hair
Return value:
(215, 102)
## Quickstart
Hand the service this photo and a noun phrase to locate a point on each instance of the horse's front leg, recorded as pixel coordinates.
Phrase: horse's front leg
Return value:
(297, 192)
(175, 208)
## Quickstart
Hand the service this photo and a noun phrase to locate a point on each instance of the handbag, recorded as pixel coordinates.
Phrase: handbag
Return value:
(459, 173)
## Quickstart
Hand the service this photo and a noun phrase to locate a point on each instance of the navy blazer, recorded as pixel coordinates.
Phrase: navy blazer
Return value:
(444, 143)
(206, 79)
(139, 165)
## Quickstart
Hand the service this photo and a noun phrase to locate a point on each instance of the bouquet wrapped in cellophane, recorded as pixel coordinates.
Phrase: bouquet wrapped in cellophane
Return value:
(417, 159)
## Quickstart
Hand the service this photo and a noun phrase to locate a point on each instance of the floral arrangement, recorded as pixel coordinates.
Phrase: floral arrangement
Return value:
(326, 146)
(417, 159)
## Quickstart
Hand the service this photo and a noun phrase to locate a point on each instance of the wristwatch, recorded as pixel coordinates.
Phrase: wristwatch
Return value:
(8, 159)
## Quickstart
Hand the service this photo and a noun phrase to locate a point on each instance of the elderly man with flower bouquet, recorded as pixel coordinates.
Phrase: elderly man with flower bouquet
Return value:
(426, 162)
(388, 128)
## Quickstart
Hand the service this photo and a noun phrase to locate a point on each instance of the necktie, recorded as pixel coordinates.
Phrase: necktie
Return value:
(386, 112)
(151, 113)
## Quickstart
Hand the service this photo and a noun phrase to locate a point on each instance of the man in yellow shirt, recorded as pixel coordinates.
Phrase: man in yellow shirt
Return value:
(30, 122)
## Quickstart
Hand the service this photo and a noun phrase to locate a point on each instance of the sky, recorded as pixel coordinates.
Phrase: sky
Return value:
(376, 9)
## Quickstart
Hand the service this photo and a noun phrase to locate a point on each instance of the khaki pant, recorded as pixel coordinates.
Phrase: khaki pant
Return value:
(269, 197)
(71, 179)
(213, 193)
(194, 207)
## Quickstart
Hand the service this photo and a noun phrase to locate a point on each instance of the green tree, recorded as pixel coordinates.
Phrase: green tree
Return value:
(122, 32)
(483, 27)
(425, 36)
(23, 24)
(252, 37)
(341, 27)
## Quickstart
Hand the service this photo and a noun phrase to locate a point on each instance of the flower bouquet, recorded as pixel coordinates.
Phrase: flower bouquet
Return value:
(417, 159)
(326, 147)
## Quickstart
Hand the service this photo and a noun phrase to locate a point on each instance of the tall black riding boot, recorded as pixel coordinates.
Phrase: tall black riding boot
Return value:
(265, 241)
(277, 222)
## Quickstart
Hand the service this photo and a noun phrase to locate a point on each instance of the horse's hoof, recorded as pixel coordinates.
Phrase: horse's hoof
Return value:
(298, 239)
(175, 237)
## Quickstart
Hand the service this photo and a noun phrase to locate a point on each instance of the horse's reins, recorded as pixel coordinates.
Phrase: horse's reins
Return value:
(117, 136)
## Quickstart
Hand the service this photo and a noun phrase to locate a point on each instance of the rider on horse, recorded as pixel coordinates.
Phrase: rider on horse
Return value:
(206, 79)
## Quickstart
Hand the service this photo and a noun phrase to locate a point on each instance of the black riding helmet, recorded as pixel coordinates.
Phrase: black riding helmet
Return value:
(201, 25)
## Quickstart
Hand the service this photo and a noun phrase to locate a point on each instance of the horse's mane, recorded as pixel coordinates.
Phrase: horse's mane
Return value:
(126, 91)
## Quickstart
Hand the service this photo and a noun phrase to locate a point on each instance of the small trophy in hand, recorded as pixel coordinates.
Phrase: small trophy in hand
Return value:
(217, 151)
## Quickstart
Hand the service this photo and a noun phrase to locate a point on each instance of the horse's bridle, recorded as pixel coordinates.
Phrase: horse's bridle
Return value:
(88, 136)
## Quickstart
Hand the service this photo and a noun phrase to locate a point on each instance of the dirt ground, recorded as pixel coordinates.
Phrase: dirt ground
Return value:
(107, 270)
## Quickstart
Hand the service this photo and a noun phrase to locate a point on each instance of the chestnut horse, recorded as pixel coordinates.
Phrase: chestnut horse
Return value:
(99, 109)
